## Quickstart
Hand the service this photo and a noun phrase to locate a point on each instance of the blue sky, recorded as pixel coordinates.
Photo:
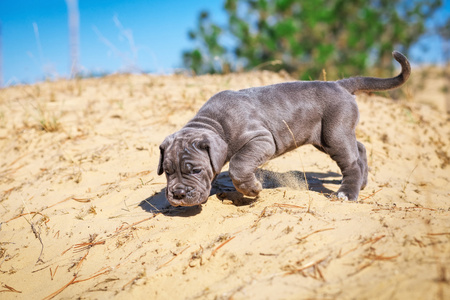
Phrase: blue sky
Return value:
(158, 27)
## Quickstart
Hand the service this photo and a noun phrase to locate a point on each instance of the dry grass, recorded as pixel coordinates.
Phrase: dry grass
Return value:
(83, 154)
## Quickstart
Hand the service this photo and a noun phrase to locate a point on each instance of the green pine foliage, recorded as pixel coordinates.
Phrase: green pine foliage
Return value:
(305, 37)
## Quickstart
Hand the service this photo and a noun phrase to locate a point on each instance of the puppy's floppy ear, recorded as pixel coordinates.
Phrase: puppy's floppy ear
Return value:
(162, 148)
(217, 150)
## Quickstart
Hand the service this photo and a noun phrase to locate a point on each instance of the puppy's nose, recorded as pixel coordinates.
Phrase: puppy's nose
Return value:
(179, 193)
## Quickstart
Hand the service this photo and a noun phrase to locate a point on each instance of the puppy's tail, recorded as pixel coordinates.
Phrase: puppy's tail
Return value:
(369, 84)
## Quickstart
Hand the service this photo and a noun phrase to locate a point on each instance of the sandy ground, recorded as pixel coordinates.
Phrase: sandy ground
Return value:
(83, 212)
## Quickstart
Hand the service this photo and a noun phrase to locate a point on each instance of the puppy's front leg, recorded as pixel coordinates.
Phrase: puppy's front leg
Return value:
(245, 162)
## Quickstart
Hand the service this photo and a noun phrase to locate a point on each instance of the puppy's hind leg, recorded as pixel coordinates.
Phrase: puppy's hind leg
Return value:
(362, 162)
(347, 159)
(339, 141)
(245, 162)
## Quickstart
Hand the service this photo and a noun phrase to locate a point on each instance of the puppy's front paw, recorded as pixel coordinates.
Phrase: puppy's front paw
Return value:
(249, 188)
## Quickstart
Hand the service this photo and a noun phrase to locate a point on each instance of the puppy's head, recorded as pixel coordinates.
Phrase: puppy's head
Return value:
(191, 159)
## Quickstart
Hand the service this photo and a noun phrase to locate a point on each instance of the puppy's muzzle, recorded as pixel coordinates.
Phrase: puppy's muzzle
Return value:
(179, 193)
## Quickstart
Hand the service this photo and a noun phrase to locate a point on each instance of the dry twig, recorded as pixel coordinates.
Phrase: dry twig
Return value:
(28, 213)
(419, 242)
(439, 233)
(301, 161)
(381, 257)
(283, 205)
(221, 245)
(261, 215)
(66, 250)
(81, 260)
(170, 260)
(86, 246)
(52, 274)
(317, 231)
(73, 281)
(38, 236)
(54, 294)
(98, 273)
(306, 266)
(82, 200)
(9, 289)
(362, 267)
(370, 195)
(316, 268)
(372, 241)
(134, 224)
(132, 281)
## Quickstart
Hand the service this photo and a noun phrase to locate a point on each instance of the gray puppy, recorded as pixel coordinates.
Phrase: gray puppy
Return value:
(250, 126)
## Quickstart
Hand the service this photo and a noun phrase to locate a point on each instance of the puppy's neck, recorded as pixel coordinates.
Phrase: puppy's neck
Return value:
(203, 123)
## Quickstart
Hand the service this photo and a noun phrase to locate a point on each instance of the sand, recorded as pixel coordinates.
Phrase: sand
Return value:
(83, 212)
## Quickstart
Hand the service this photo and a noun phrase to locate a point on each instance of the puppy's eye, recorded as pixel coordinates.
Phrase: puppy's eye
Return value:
(196, 171)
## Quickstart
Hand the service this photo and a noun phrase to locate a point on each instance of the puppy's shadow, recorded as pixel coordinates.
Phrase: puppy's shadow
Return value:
(158, 204)
(224, 189)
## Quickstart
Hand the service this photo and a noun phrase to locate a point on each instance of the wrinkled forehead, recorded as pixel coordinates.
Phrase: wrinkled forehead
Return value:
(184, 150)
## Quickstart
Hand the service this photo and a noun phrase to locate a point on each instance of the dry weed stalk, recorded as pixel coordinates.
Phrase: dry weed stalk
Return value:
(221, 245)
(261, 215)
(47, 219)
(54, 294)
(62, 253)
(381, 257)
(82, 200)
(362, 267)
(9, 289)
(7, 192)
(88, 245)
(102, 271)
(371, 241)
(283, 205)
(34, 213)
(52, 274)
(276, 205)
(170, 260)
(371, 195)
(312, 264)
(35, 231)
(407, 179)
(314, 232)
(48, 122)
(439, 233)
(85, 246)
(132, 281)
(405, 208)
(11, 171)
(198, 254)
(134, 224)
(303, 167)
(64, 200)
(78, 266)
(17, 159)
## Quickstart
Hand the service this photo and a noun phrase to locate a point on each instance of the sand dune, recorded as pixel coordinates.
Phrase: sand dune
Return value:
(83, 212)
